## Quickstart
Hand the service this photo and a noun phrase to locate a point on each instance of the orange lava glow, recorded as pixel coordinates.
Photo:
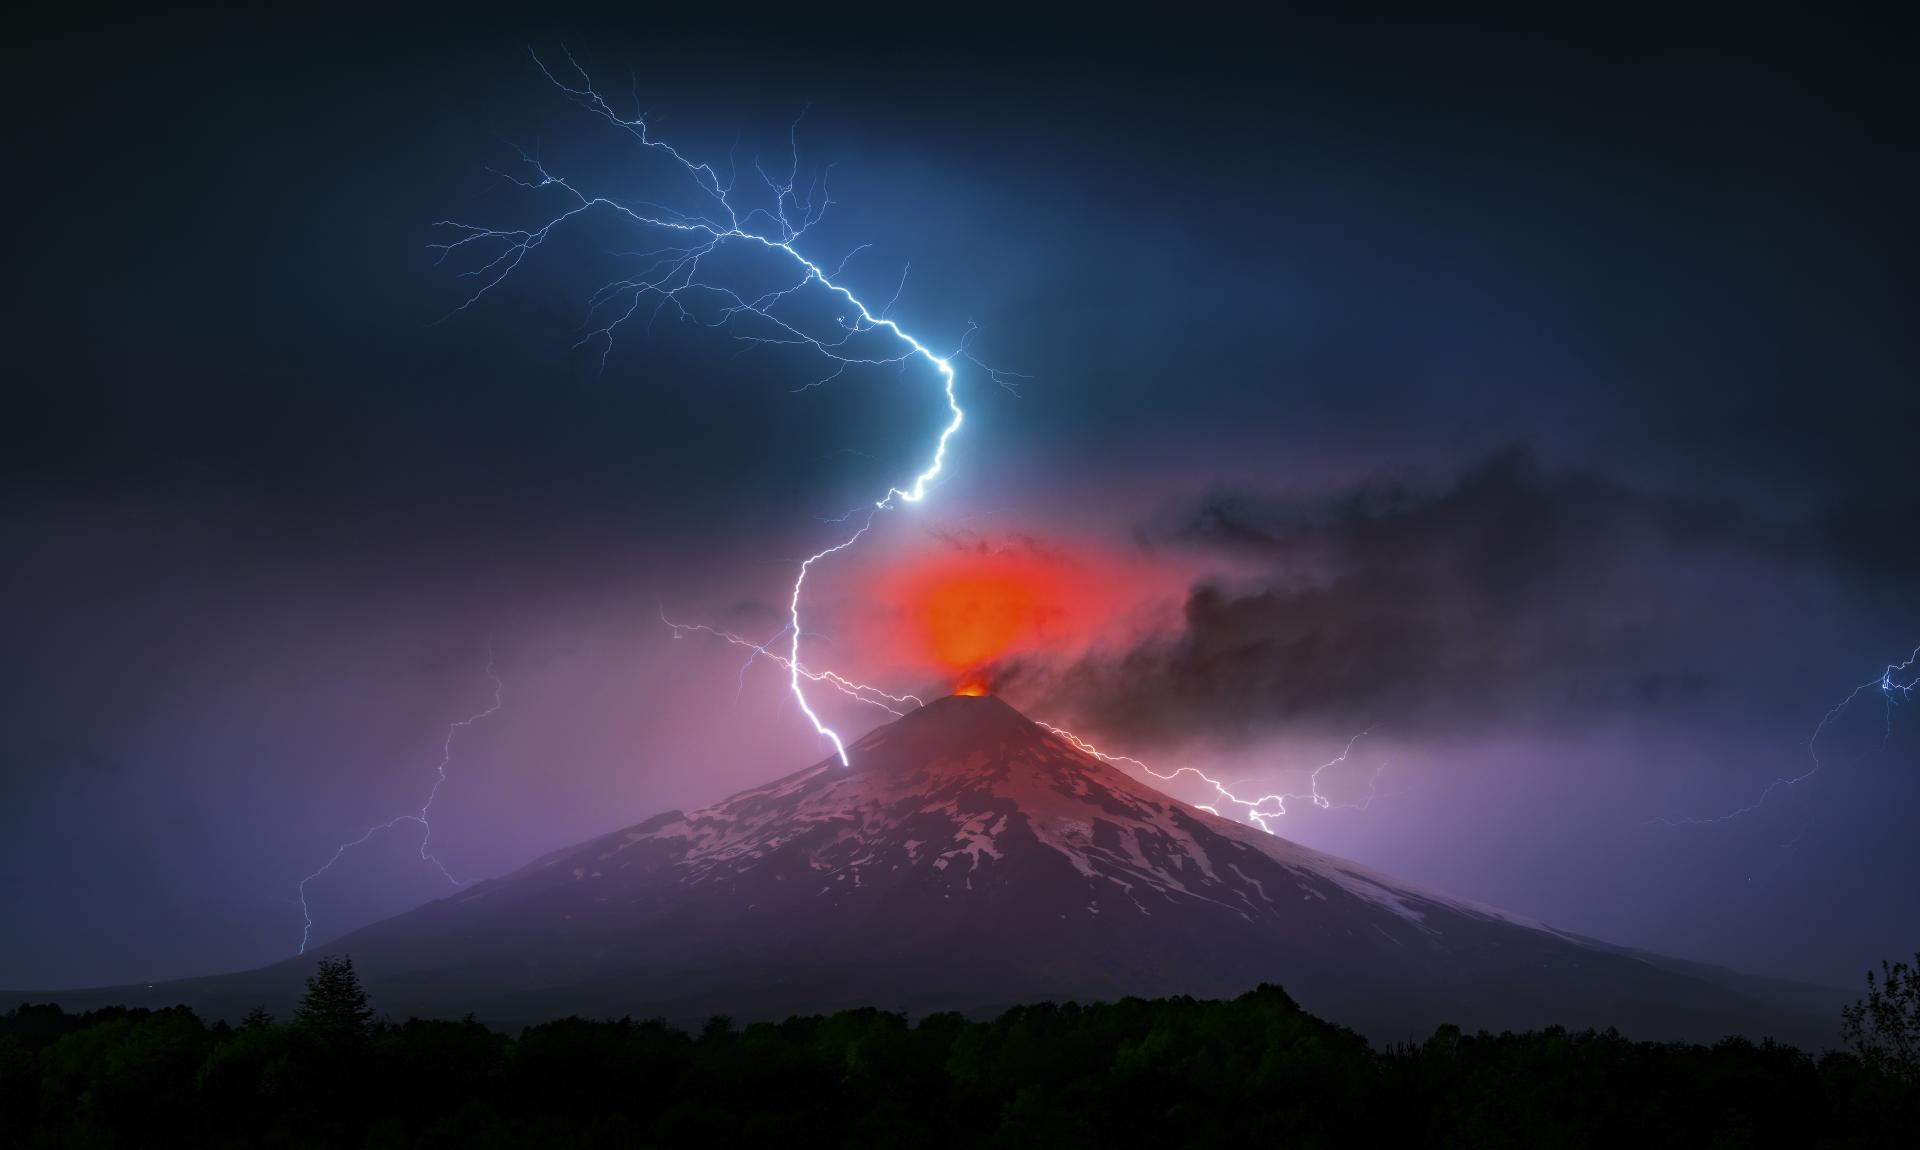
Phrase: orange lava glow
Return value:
(962, 611)
(967, 618)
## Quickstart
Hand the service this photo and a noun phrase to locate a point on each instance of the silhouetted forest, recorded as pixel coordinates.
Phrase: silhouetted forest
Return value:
(1169, 1072)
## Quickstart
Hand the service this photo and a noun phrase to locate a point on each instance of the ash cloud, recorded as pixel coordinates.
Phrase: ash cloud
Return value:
(1509, 597)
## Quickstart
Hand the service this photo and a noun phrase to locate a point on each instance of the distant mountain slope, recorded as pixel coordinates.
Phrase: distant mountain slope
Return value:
(969, 860)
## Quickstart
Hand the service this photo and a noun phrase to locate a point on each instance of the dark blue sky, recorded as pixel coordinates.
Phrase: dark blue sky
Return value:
(1537, 393)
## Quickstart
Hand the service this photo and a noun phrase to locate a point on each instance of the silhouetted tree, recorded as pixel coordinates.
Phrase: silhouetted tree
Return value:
(256, 1019)
(335, 1004)
(1884, 1027)
(1172, 1072)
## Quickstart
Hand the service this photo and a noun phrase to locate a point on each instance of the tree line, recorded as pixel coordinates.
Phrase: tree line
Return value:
(1167, 1072)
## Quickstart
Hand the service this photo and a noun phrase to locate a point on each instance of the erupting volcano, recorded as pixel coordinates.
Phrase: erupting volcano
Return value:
(967, 860)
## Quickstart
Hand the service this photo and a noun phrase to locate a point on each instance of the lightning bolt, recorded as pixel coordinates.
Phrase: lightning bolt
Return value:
(1257, 809)
(892, 704)
(1895, 685)
(426, 827)
(674, 277)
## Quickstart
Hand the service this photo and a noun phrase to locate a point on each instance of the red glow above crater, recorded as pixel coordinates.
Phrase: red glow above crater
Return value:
(960, 610)
(966, 617)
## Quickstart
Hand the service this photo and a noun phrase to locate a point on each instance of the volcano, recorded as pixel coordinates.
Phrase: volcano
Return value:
(969, 860)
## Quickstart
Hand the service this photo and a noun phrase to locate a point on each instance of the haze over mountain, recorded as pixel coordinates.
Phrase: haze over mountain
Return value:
(969, 860)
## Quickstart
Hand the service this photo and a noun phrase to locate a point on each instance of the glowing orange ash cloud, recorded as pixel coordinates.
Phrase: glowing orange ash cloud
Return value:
(967, 617)
(959, 611)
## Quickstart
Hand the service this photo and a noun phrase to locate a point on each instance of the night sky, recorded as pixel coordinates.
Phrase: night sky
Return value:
(1535, 397)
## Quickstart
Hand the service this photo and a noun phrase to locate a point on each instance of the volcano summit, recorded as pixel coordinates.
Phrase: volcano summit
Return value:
(968, 860)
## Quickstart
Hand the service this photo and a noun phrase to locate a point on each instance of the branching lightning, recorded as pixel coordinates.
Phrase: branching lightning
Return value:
(1258, 809)
(675, 276)
(892, 704)
(420, 817)
(1895, 685)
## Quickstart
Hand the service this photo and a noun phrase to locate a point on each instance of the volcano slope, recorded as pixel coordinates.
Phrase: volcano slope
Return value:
(969, 860)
